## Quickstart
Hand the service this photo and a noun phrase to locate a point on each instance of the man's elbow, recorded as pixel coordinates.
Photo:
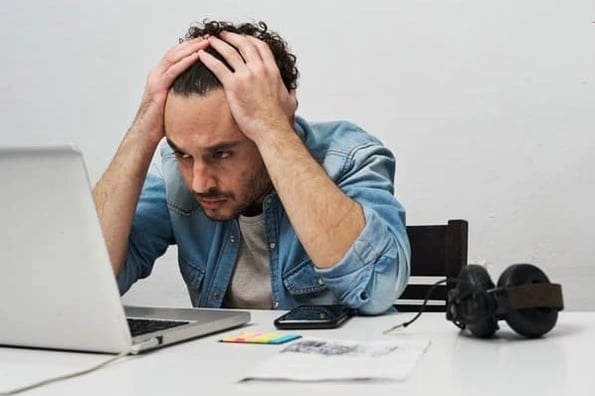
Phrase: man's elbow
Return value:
(381, 295)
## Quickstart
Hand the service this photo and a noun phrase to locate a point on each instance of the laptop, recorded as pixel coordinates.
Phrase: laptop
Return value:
(57, 286)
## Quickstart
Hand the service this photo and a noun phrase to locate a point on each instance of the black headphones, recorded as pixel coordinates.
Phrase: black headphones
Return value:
(524, 298)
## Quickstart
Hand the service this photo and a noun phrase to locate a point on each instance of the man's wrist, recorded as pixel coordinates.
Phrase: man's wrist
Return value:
(275, 137)
(144, 141)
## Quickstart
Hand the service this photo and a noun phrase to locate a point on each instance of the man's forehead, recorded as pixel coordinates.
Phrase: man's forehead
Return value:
(203, 122)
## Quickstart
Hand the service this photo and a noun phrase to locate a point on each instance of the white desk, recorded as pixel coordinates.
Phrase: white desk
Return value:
(562, 363)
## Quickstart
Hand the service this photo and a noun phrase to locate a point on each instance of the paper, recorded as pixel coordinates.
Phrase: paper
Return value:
(314, 359)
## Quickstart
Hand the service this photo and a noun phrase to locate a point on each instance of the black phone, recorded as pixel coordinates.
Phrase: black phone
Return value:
(314, 317)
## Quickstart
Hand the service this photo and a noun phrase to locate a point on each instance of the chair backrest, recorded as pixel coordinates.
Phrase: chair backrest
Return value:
(437, 251)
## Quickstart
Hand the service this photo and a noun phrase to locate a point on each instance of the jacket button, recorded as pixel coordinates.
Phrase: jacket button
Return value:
(276, 304)
(320, 281)
(272, 245)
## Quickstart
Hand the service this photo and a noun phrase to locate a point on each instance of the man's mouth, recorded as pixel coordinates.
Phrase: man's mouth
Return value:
(211, 203)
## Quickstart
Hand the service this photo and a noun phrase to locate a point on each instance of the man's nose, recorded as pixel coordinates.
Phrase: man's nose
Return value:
(203, 178)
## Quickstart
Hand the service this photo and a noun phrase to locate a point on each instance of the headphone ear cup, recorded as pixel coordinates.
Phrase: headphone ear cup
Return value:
(478, 307)
(529, 322)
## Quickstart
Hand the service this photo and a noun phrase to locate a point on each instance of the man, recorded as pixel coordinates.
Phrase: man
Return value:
(267, 210)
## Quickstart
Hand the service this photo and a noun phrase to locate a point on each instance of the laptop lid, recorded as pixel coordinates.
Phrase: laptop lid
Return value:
(57, 287)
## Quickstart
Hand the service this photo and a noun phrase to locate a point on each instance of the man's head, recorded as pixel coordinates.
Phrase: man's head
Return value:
(199, 80)
(218, 163)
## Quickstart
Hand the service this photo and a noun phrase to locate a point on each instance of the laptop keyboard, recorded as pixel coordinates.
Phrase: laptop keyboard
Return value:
(144, 326)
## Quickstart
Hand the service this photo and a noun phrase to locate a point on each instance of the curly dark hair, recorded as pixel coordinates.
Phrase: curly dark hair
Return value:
(198, 79)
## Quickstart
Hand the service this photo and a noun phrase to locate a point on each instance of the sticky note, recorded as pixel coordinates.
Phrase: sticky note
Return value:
(261, 338)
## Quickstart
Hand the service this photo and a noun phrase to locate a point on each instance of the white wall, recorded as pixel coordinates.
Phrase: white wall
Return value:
(488, 104)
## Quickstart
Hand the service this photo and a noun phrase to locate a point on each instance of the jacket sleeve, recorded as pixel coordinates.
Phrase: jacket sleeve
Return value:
(375, 270)
(151, 232)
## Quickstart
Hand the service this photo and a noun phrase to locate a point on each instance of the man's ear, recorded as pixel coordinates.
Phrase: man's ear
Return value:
(293, 96)
(293, 104)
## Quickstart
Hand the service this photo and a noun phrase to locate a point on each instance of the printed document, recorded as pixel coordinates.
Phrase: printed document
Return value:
(315, 359)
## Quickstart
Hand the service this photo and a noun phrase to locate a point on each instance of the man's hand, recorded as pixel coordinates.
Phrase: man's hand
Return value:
(149, 118)
(116, 194)
(256, 95)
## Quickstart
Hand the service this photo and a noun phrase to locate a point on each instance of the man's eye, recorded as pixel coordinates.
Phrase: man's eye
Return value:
(222, 154)
(182, 156)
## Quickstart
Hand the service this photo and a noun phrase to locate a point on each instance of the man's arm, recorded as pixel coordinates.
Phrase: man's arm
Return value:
(116, 193)
(332, 221)
(264, 109)
(361, 251)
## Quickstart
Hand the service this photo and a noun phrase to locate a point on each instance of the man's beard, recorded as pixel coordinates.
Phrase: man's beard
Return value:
(256, 187)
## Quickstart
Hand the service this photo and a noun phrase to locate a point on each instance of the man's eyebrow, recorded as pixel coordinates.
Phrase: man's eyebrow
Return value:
(221, 146)
(173, 145)
(216, 147)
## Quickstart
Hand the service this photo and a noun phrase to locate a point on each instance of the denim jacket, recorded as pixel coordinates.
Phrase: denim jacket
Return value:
(370, 276)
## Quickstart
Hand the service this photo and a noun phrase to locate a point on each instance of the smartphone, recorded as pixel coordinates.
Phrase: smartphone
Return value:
(314, 317)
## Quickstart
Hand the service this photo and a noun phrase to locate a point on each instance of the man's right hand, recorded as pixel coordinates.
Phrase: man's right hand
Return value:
(117, 192)
(149, 118)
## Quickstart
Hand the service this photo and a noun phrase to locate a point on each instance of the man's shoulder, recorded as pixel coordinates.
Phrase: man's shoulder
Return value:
(342, 146)
(342, 136)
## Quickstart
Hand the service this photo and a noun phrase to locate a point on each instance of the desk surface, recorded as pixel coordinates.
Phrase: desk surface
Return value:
(454, 364)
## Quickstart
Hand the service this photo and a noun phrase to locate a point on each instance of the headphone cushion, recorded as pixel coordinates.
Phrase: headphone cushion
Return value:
(479, 310)
(529, 322)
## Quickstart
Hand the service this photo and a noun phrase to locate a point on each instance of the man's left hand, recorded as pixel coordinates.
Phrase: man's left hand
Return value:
(258, 100)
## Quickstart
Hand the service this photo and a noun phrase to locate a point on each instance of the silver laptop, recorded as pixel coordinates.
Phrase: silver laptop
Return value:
(57, 287)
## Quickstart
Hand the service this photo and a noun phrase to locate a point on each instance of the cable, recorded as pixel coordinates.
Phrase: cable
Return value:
(66, 376)
(422, 309)
(134, 350)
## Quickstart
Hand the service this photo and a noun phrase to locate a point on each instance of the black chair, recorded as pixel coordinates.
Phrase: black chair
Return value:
(437, 251)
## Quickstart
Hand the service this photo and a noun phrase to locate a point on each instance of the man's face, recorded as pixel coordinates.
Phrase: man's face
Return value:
(218, 163)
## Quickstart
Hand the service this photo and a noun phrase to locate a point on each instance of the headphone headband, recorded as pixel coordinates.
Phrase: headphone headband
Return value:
(535, 295)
